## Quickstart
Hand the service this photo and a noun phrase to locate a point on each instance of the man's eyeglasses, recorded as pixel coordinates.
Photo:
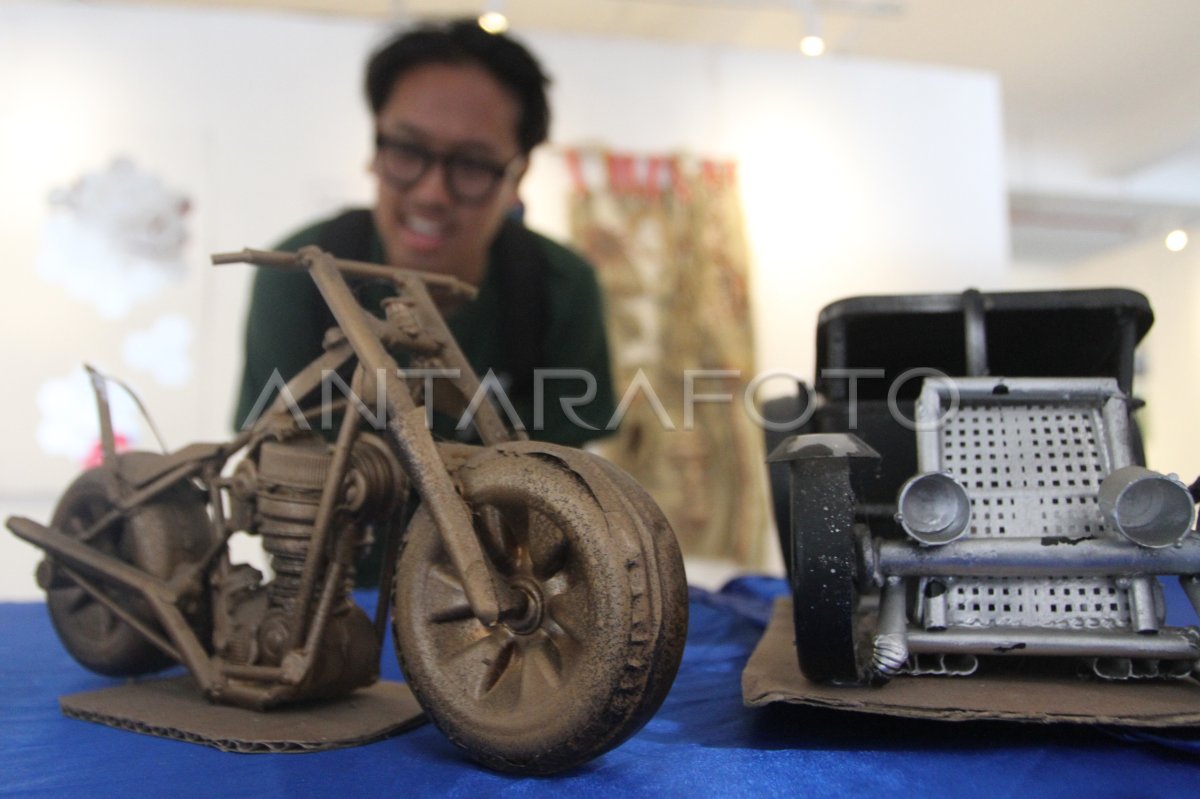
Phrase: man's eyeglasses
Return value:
(469, 179)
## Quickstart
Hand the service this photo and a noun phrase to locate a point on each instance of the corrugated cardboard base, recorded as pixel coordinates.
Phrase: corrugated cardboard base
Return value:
(773, 675)
(175, 708)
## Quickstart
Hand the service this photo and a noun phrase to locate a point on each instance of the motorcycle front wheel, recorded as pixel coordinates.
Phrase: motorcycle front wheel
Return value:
(596, 649)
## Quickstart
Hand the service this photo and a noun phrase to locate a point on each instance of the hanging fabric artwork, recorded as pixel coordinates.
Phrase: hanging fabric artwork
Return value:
(667, 239)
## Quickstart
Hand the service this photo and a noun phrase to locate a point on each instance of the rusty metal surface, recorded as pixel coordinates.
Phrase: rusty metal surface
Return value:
(540, 600)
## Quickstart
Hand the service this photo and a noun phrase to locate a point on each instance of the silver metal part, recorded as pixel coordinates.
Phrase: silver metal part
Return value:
(1032, 557)
(890, 648)
(1143, 610)
(1030, 453)
(946, 665)
(934, 594)
(1138, 668)
(1169, 644)
(890, 655)
(1048, 602)
(1148, 508)
(933, 508)
(1050, 507)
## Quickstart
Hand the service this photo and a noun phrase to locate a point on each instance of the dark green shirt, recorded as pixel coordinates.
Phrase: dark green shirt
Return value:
(287, 324)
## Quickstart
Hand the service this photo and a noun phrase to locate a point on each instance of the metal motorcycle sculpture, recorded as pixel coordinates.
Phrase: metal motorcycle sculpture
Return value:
(538, 600)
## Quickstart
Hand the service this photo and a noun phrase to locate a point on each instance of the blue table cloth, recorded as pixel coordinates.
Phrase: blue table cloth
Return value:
(703, 742)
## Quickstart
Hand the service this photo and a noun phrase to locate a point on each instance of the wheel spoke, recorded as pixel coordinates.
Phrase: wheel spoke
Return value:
(495, 660)
(504, 692)
(94, 618)
(571, 613)
(546, 660)
(539, 677)
(107, 621)
(481, 664)
(443, 581)
(459, 611)
(76, 597)
(497, 539)
(561, 647)
(548, 546)
(76, 526)
(447, 598)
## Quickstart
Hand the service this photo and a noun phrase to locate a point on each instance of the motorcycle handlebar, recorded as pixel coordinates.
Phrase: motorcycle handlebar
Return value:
(442, 284)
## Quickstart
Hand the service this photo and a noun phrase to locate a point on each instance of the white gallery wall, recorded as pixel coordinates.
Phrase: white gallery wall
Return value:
(1166, 374)
(858, 177)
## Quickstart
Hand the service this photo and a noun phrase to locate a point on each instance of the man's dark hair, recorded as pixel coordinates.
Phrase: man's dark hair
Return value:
(464, 42)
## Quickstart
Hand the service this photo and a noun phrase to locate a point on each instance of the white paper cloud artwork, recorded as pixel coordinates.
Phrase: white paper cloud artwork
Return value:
(114, 238)
(162, 350)
(68, 424)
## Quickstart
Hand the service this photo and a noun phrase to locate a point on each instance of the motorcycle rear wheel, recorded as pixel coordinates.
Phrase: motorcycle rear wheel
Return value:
(157, 537)
(597, 650)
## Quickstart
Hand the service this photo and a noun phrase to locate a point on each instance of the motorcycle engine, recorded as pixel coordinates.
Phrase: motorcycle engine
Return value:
(276, 493)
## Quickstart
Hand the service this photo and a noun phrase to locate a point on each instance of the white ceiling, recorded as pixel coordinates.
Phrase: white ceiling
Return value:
(1110, 88)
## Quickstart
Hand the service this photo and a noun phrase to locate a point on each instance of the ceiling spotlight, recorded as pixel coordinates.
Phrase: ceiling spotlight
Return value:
(812, 46)
(493, 22)
(1176, 240)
